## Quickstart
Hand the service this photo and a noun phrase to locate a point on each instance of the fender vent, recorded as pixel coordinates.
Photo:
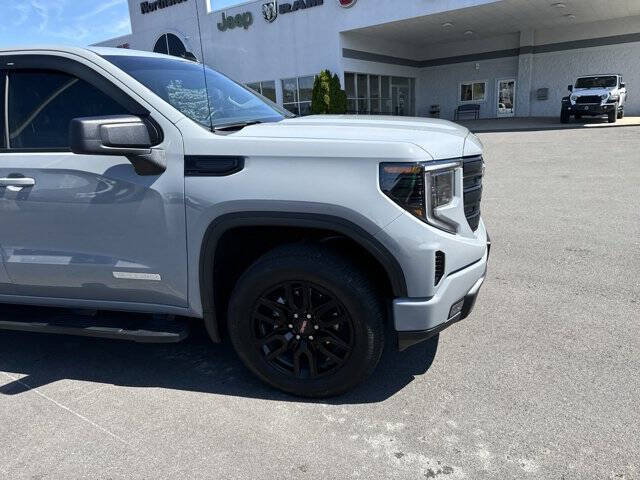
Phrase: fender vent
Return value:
(439, 267)
(211, 166)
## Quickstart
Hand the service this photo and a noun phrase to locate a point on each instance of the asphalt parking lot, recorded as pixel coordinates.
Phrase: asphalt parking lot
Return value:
(541, 382)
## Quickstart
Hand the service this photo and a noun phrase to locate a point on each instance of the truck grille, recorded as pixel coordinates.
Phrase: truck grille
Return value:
(589, 99)
(472, 174)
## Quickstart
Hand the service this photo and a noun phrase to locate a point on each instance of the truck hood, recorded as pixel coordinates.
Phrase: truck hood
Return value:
(592, 91)
(439, 138)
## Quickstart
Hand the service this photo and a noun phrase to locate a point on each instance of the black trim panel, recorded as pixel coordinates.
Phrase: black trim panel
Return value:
(149, 329)
(211, 165)
(464, 268)
(409, 339)
(285, 219)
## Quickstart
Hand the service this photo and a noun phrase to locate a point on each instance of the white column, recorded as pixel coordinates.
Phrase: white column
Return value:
(524, 87)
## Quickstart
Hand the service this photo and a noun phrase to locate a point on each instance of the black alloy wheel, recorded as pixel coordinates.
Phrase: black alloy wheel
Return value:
(307, 320)
(302, 329)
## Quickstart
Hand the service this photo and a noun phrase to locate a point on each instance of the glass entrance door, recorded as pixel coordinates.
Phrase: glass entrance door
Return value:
(506, 98)
(401, 97)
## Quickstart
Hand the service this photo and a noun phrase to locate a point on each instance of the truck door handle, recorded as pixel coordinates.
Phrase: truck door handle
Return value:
(16, 184)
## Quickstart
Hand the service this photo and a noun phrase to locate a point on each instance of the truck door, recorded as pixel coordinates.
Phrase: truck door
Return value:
(85, 226)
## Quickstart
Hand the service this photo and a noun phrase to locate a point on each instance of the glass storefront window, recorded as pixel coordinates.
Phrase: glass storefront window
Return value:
(169, 44)
(374, 85)
(297, 93)
(305, 88)
(350, 84)
(473, 91)
(363, 93)
(267, 89)
(379, 94)
(385, 98)
(290, 90)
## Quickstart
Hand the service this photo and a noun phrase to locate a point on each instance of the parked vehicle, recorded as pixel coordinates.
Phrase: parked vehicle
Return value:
(595, 95)
(138, 182)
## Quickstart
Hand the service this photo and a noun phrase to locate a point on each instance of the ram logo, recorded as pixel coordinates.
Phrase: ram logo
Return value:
(270, 10)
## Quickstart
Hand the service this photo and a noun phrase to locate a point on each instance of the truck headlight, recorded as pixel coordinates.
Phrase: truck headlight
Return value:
(423, 189)
(574, 98)
(404, 184)
(604, 96)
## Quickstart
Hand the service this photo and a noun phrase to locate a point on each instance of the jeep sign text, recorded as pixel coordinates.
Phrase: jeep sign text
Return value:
(232, 21)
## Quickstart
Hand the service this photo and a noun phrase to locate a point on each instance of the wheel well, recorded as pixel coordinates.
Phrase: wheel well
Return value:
(233, 251)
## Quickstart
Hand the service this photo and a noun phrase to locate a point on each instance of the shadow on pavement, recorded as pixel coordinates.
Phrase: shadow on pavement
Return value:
(193, 365)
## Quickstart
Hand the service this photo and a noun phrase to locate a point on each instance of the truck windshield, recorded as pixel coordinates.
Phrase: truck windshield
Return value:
(597, 82)
(202, 94)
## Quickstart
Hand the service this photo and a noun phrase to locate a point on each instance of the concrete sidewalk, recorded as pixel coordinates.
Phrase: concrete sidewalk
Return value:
(541, 123)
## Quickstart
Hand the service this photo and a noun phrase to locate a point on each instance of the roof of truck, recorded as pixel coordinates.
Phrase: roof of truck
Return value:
(102, 51)
(601, 75)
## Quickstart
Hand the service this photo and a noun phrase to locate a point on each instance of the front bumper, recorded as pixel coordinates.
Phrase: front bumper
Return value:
(417, 320)
(592, 109)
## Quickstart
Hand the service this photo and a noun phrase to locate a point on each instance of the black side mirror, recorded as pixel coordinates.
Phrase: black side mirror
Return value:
(119, 135)
(623, 85)
(570, 87)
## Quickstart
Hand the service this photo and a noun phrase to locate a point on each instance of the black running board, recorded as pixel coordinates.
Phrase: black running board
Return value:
(140, 329)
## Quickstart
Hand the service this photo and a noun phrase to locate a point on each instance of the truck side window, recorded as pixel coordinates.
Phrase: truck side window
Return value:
(43, 103)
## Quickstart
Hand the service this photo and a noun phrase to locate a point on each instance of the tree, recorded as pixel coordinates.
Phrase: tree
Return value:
(328, 96)
(338, 104)
(320, 97)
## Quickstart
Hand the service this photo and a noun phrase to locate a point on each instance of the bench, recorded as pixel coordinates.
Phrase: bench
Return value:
(468, 109)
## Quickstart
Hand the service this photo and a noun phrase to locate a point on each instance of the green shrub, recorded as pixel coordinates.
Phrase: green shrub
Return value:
(338, 104)
(320, 98)
(328, 96)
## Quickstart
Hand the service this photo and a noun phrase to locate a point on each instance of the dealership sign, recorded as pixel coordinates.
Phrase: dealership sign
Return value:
(241, 20)
(289, 7)
(270, 10)
(146, 7)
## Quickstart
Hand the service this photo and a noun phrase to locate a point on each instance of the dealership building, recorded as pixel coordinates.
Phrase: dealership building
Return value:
(404, 57)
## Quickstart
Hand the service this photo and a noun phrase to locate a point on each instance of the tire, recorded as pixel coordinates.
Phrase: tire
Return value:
(621, 113)
(564, 116)
(612, 116)
(578, 116)
(270, 329)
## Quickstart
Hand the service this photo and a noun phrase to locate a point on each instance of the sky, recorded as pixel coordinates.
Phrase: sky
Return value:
(69, 22)
(220, 4)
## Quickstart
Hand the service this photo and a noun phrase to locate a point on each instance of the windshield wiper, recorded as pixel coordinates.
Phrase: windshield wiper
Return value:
(234, 126)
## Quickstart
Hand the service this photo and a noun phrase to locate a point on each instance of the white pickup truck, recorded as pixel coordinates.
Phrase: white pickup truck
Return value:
(139, 182)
